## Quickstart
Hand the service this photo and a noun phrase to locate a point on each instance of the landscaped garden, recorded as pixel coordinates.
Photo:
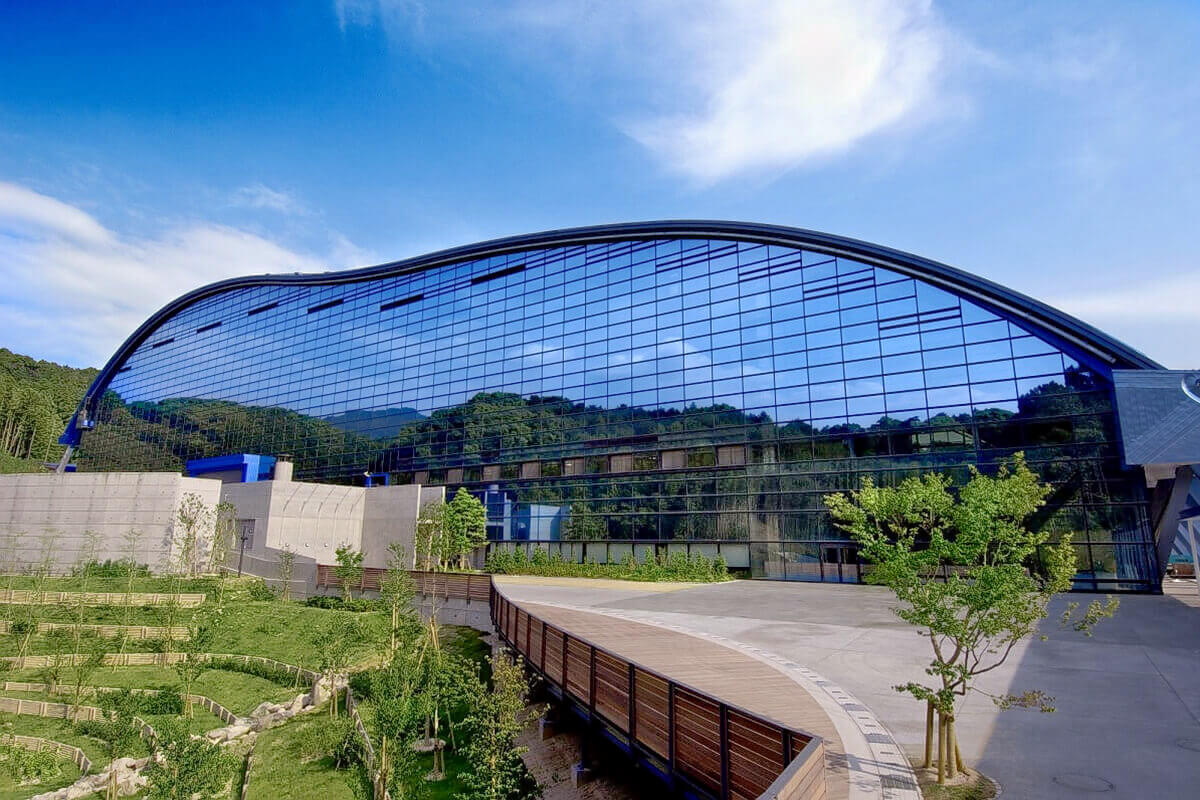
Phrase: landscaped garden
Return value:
(192, 685)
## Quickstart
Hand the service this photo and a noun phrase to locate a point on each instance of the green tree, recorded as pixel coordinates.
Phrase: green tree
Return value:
(398, 719)
(193, 518)
(335, 645)
(194, 651)
(399, 592)
(287, 567)
(85, 663)
(59, 646)
(430, 536)
(349, 569)
(188, 768)
(970, 573)
(120, 730)
(497, 772)
(466, 526)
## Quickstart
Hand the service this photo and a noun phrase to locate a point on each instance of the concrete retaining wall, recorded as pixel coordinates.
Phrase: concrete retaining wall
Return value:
(49, 515)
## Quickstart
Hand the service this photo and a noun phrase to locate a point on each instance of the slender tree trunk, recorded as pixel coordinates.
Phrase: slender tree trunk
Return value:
(951, 770)
(958, 754)
(941, 762)
(928, 734)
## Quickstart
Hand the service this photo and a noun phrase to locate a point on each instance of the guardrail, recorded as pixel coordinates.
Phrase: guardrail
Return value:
(472, 587)
(39, 745)
(715, 749)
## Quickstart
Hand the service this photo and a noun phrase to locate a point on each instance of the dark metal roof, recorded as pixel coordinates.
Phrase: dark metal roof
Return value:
(1097, 347)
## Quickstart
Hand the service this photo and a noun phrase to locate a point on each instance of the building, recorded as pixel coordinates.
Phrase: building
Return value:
(649, 386)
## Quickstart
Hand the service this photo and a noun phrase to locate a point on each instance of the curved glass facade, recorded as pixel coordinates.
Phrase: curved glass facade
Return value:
(663, 390)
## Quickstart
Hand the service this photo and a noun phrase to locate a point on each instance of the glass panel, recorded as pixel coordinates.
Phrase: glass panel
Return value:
(553, 389)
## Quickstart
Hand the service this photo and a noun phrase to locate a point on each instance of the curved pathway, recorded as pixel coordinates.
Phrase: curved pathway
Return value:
(1128, 699)
(862, 759)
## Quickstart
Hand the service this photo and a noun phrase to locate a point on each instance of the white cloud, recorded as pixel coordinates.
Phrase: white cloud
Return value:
(73, 290)
(260, 196)
(775, 84)
(719, 88)
(1157, 316)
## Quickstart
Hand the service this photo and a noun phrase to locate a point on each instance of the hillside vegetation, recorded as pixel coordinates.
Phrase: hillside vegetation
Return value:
(36, 400)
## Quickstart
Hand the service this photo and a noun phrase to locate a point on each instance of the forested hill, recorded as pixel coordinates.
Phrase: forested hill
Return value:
(36, 400)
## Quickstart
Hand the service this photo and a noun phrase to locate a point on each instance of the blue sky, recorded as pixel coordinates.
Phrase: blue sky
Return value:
(147, 148)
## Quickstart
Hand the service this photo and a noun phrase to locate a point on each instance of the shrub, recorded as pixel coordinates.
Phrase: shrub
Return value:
(29, 766)
(339, 603)
(258, 589)
(270, 672)
(677, 567)
(22, 627)
(111, 569)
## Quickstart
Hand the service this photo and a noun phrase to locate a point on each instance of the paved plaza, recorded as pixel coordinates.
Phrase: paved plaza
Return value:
(1128, 698)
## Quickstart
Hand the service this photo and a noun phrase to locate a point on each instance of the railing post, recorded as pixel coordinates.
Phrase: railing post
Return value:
(631, 715)
(564, 660)
(542, 661)
(592, 679)
(724, 723)
(671, 728)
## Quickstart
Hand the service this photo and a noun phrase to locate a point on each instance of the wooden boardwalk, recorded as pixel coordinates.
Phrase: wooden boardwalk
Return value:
(720, 671)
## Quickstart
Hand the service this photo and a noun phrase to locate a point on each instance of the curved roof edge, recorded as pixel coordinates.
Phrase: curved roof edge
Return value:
(1102, 348)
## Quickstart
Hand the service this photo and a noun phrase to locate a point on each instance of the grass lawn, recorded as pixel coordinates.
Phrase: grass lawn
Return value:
(238, 692)
(286, 631)
(278, 772)
(11, 790)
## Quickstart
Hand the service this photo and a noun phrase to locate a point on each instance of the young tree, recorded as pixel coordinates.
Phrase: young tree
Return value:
(497, 772)
(399, 592)
(430, 536)
(87, 660)
(41, 575)
(349, 569)
(398, 718)
(120, 731)
(287, 567)
(201, 631)
(192, 519)
(465, 527)
(132, 542)
(335, 645)
(188, 768)
(970, 573)
(59, 646)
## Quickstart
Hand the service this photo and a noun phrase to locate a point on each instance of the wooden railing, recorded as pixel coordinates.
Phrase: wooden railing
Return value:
(716, 749)
(448, 585)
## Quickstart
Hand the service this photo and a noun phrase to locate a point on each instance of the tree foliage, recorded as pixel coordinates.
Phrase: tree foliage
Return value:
(188, 768)
(497, 772)
(970, 571)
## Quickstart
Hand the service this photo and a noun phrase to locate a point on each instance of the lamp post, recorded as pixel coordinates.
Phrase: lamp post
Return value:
(242, 552)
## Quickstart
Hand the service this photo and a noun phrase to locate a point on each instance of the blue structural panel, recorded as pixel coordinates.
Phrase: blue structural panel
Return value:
(642, 386)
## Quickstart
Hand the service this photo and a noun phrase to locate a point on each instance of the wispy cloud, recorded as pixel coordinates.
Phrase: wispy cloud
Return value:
(722, 88)
(260, 196)
(73, 289)
(1159, 311)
